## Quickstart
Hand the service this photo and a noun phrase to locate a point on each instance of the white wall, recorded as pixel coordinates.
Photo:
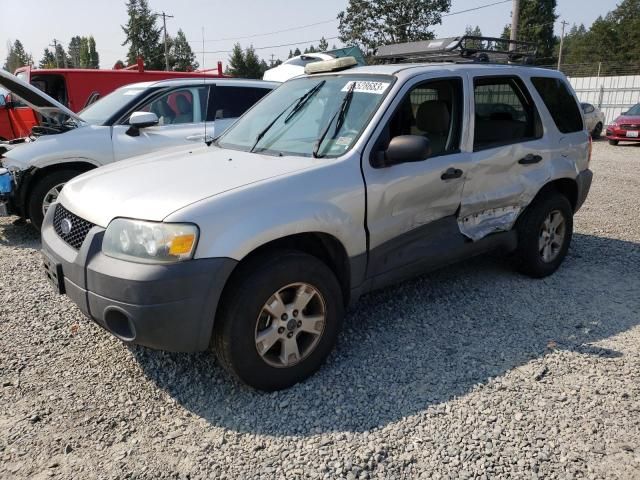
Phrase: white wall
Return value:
(612, 95)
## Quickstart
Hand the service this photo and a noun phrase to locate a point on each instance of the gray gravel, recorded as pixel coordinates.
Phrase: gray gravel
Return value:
(471, 372)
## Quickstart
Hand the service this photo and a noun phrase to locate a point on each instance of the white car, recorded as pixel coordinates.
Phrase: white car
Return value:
(133, 120)
(593, 119)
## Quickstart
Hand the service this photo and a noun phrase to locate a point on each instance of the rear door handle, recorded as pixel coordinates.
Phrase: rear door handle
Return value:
(451, 173)
(530, 159)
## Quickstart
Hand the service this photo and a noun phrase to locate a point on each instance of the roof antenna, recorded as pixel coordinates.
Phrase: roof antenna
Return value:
(208, 90)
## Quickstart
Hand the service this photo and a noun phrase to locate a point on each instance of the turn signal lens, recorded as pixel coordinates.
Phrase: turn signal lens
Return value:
(182, 244)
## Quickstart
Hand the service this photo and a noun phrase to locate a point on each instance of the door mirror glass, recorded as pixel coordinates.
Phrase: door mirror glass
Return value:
(407, 148)
(143, 119)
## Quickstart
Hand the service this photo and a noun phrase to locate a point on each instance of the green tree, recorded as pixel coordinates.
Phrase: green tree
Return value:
(297, 52)
(371, 23)
(74, 51)
(323, 46)
(143, 36)
(94, 57)
(64, 61)
(85, 59)
(16, 56)
(237, 66)
(252, 64)
(474, 32)
(182, 55)
(48, 59)
(537, 18)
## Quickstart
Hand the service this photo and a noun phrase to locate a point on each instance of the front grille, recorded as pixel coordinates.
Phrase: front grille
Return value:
(630, 126)
(79, 227)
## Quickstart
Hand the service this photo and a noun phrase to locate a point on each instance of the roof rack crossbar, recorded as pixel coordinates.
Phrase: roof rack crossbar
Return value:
(454, 49)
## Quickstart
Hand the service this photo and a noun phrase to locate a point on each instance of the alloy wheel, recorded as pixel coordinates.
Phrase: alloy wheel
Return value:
(552, 236)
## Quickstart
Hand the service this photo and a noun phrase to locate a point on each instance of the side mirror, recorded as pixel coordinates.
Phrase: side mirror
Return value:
(139, 120)
(403, 149)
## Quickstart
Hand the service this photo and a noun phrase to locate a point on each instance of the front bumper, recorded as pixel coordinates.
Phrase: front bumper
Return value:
(621, 135)
(167, 307)
(584, 180)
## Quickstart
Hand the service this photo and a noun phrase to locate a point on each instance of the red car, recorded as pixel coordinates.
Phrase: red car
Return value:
(625, 128)
(76, 89)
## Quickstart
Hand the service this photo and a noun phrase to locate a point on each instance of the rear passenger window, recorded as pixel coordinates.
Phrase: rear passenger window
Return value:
(232, 102)
(505, 113)
(560, 103)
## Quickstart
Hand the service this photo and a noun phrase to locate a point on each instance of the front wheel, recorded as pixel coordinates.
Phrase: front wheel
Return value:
(544, 235)
(278, 320)
(45, 192)
(613, 142)
(597, 131)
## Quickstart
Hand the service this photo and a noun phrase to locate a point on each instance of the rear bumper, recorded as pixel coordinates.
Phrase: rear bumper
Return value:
(168, 307)
(584, 180)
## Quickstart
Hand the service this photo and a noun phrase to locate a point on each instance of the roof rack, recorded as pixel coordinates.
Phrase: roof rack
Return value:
(467, 48)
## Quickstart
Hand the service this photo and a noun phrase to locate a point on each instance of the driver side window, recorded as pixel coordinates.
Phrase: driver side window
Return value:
(431, 109)
(177, 107)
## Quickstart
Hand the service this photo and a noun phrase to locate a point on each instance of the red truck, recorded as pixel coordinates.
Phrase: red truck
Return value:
(76, 89)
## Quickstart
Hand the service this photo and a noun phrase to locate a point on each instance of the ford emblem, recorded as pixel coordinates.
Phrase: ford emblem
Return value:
(65, 226)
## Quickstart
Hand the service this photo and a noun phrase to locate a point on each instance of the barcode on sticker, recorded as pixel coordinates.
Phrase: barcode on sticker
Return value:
(363, 86)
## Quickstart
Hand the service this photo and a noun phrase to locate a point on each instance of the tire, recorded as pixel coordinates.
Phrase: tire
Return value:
(41, 189)
(613, 142)
(597, 131)
(532, 232)
(243, 317)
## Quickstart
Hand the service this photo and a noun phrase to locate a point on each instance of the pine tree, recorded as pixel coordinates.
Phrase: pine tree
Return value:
(297, 52)
(474, 32)
(64, 61)
(48, 59)
(370, 23)
(94, 57)
(184, 59)
(85, 58)
(143, 36)
(74, 51)
(252, 64)
(16, 56)
(237, 66)
(323, 46)
(536, 20)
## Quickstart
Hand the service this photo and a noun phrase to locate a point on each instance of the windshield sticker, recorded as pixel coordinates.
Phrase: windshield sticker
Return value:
(362, 86)
(346, 141)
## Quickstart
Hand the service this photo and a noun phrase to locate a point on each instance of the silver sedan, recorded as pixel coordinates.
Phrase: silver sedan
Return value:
(594, 119)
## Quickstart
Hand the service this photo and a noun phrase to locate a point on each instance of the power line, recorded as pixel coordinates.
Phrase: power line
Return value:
(302, 42)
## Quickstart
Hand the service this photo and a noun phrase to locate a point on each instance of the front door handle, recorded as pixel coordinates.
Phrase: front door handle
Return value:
(530, 159)
(451, 173)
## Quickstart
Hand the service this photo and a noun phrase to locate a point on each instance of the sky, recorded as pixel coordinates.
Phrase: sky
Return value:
(37, 22)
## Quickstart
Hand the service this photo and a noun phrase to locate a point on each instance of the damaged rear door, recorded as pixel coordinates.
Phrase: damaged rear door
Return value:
(509, 156)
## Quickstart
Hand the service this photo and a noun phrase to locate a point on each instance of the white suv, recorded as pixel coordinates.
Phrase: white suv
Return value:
(135, 119)
(335, 184)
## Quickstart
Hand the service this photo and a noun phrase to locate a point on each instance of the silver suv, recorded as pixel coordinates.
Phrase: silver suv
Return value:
(335, 184)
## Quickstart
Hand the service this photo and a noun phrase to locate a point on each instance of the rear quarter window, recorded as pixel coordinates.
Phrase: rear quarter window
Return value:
(560, 102)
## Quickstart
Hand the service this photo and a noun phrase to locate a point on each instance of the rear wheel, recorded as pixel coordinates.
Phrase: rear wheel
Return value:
(278, 320)
(544, 235)
(45, 192)
(613, 142)
(597, 131)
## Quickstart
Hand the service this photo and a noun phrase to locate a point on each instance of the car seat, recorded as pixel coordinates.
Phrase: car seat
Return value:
(185, 109)
(434, 120)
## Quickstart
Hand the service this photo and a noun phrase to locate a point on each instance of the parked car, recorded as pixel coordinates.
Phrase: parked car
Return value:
(337, 183)
(294, 66)
(77, 89)
(593, 119)
(135, 119)
(625, 128)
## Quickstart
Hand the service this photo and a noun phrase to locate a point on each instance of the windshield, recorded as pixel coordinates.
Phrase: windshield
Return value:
(311, 116)
(635, 110)
(99, 112)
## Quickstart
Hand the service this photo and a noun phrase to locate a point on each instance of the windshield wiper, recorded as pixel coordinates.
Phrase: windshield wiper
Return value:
(299, 103)
(341, 114)
(303, 100)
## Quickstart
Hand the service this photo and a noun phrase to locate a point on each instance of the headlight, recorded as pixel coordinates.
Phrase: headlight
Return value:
(150, 242)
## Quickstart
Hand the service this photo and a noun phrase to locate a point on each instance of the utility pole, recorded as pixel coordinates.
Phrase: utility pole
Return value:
(272, 60)
(166, 46)
(55, 51)
(515, 18)
(564, 24)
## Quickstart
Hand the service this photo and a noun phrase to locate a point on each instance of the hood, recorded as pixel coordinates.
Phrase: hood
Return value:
(155, 185)
(628, 119)
(36, 99)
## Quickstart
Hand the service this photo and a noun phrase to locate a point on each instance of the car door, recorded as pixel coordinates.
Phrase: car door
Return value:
(411, 207)
(181, 113)
(508, 152)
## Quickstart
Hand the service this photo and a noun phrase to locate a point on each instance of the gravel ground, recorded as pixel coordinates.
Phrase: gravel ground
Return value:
(471, 372)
